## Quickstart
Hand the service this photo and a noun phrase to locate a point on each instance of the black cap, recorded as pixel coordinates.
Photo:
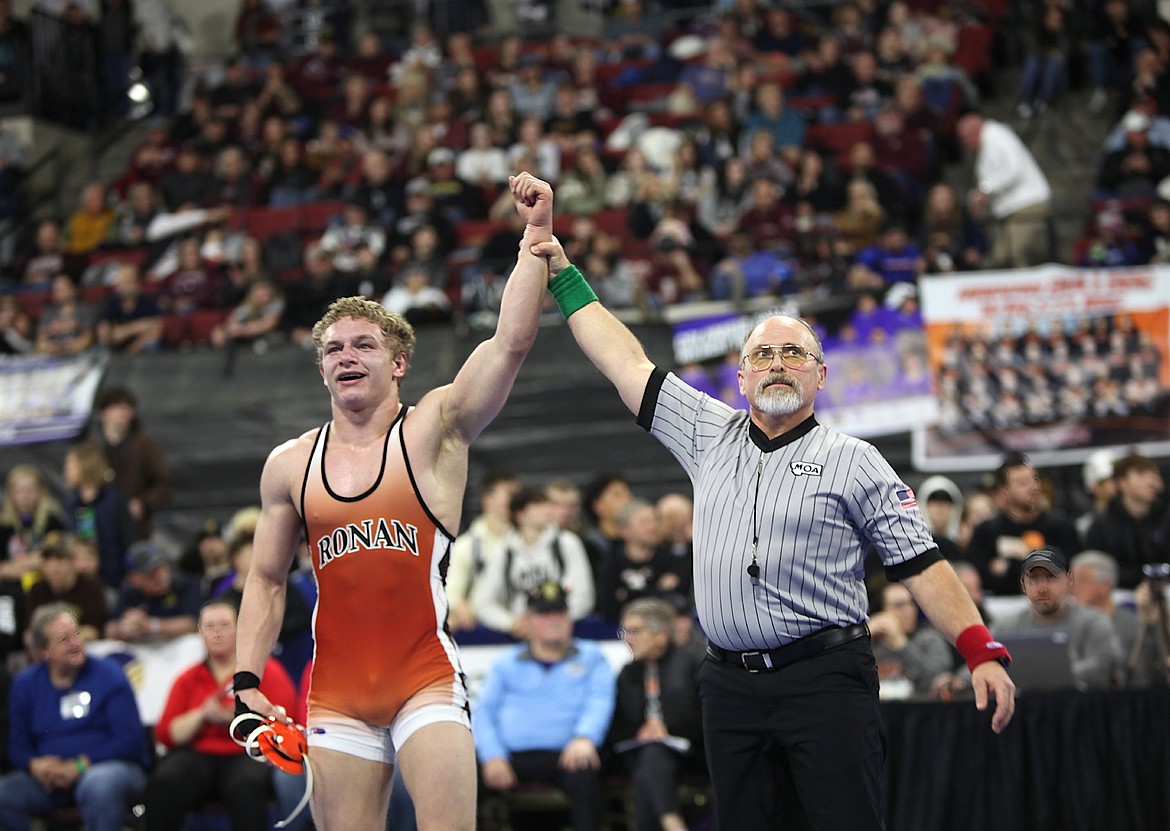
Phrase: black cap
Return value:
(1050, 559)
(549, 596)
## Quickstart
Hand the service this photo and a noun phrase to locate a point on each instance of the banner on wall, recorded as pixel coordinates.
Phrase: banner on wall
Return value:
(47, 399)
(877, 384)
(1051, 362)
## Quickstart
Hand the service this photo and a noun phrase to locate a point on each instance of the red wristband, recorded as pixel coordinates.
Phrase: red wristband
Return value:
(977, 647)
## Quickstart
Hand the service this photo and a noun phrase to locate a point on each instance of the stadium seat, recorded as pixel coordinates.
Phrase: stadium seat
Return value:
(262, 223)
(316, 215)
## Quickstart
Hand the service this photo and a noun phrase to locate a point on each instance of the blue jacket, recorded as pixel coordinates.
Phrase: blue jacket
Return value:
(103, 720)
(524, 706)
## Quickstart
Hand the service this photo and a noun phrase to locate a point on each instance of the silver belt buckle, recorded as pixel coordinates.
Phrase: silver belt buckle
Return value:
(766, 659)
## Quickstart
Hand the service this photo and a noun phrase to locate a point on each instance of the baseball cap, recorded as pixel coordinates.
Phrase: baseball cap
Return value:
(441, 155)
(1098, 467)
(418, 185)
(549, 596)
(144, 556)
(1049, 559)
(1135, 122)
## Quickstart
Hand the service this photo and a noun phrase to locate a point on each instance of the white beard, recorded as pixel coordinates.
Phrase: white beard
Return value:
(779, 400)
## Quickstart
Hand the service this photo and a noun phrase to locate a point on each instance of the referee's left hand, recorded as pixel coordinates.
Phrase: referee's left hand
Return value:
(990, 678)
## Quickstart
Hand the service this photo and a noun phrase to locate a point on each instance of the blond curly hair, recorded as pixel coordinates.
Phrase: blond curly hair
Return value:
(398, 333)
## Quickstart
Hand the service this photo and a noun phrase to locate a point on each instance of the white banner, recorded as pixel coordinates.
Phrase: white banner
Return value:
(47, 399)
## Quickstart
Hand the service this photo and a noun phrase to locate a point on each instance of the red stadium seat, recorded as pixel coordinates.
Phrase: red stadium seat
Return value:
(262, 223)
(973, 52)
(838, 139)
(316, 215)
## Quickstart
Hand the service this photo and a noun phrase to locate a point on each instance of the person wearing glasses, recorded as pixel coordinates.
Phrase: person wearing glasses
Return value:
(785, 510)
(657, 730)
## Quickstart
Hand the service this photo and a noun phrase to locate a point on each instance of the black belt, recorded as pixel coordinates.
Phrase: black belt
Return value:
(770, 660)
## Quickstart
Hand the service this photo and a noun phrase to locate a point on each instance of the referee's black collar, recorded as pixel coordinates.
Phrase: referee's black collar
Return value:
(760, 438)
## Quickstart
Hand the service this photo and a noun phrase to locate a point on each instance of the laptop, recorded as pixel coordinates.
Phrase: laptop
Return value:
(1041, 661)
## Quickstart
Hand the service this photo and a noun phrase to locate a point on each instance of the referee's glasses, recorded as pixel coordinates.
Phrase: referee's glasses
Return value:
(763, 356)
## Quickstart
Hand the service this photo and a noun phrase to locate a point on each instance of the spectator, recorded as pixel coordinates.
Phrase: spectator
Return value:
(657, 728)
(532, 93)
(1011, 189)
(138, 464)
(544, 152)
(1139, 165)
(61, 583)
(89, 226)
(15, 327)
(134, 216)
(294, 638)
(68, 324)
(903, 646)
(130, 320)
(642, 566)
(943, 213)
(1143, 653)
(583, 188)
(1094, 647)
(1154, 239)
(1049, 45)
(1021, 525)
(860, 221)
(413, 297)
(355, 242)
(193, 283)
(15, 56)
(484, 537)
(165, 43)
(290, 180)
(1135, 526)
(28, 515)
(202, 762)
(603, 498)
(569, 125)
(47, 258)
(155, 601)
(894, 258)
(942, 502)
(534, 552)
(544, 709)
(188, 184)
(1109, 245)
(1113, 43)
(258, 316)
(76, 737)
(233, 184)
(207, 557)
(455, 200)
(257, 33)
(482, 164)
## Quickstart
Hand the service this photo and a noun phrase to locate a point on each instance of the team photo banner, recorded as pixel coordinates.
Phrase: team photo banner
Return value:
(1052, 361)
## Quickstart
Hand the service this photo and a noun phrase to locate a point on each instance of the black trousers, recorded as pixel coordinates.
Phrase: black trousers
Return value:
(582, 787)
(799, 748)
(184, 779)
(654, 771)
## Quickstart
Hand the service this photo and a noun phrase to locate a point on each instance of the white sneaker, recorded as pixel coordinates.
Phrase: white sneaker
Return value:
(1024, 110)
(1098, 100)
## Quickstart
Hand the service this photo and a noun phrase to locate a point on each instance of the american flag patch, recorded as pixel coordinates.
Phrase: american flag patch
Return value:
(905, 498)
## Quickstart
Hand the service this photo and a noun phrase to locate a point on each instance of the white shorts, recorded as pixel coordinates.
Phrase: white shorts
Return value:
(334, 731)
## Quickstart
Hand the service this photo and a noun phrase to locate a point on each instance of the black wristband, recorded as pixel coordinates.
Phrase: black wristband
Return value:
(245, 681)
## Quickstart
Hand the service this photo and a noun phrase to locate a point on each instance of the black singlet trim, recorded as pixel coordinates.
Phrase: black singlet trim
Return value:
(381, 471)
(413, 483)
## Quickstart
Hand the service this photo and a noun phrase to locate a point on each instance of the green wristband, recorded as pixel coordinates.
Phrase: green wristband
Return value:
(571, 291)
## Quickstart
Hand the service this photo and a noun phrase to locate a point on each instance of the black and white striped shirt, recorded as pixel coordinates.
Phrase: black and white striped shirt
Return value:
(821, 499)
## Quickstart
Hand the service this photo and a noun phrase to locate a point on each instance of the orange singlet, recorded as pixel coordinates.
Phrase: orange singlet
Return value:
(380, 622)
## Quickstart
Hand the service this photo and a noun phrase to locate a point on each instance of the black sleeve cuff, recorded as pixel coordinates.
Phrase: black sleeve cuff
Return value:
(650, 398)
(913, 566)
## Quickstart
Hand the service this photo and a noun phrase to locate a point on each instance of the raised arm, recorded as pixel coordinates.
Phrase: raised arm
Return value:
(604, 339)
(481, 387)
(277, 531)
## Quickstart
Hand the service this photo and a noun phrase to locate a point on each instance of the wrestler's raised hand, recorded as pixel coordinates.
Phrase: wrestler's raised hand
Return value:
(534, 203)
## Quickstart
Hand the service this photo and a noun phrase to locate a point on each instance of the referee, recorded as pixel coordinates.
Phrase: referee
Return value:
(785, 509)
